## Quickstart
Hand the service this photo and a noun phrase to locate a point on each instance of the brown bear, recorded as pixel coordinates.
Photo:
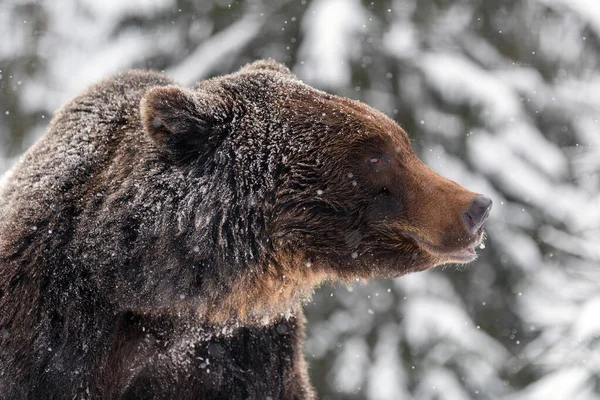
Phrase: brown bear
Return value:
(159, 242)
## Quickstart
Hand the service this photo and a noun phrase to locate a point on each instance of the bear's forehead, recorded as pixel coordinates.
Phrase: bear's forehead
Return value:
(353, 119)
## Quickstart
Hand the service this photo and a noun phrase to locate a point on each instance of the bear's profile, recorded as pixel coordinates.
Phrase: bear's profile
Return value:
(159, 242)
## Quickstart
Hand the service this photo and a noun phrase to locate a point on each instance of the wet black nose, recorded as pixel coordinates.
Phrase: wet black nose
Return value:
(477, 213)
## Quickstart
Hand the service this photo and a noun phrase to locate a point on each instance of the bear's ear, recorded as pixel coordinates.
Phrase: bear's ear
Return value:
(268, 65)
(183, 124)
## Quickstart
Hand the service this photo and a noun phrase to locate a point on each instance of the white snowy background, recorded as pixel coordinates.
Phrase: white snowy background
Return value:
(501, 96)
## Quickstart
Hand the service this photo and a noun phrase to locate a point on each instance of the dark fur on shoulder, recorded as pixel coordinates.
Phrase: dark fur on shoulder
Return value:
(158, 242)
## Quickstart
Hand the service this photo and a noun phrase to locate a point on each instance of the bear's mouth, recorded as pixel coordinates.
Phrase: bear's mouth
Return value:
(443, 255)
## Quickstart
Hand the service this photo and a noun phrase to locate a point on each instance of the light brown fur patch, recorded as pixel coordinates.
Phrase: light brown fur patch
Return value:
(277, 290)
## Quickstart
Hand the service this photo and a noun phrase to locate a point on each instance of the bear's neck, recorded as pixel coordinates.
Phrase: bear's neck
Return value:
(223, 227)
(207, 249)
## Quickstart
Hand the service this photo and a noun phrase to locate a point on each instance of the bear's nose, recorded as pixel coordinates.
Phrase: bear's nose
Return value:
(477, 213)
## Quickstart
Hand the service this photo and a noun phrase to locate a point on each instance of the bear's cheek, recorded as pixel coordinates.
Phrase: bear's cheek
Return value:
(385, 207)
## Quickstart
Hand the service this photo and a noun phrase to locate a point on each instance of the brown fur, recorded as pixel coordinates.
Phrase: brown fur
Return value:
(259, 298)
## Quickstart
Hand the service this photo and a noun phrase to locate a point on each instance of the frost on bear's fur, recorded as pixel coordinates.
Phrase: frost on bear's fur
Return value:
(158, 241)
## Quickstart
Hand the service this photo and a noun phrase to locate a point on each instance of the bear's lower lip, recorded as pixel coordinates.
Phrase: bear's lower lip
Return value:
(466, 255)
(462, 256)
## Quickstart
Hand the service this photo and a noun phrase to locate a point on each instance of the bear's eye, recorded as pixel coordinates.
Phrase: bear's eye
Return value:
(379, 160)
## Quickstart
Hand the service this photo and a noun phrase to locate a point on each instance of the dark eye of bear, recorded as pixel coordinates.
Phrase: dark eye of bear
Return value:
(376, 160)
(379, 161)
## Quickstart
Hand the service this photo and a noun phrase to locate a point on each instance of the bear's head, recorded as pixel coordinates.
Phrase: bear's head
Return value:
(317, 186)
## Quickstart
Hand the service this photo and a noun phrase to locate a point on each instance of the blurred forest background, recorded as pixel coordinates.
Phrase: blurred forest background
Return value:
(500, 96)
